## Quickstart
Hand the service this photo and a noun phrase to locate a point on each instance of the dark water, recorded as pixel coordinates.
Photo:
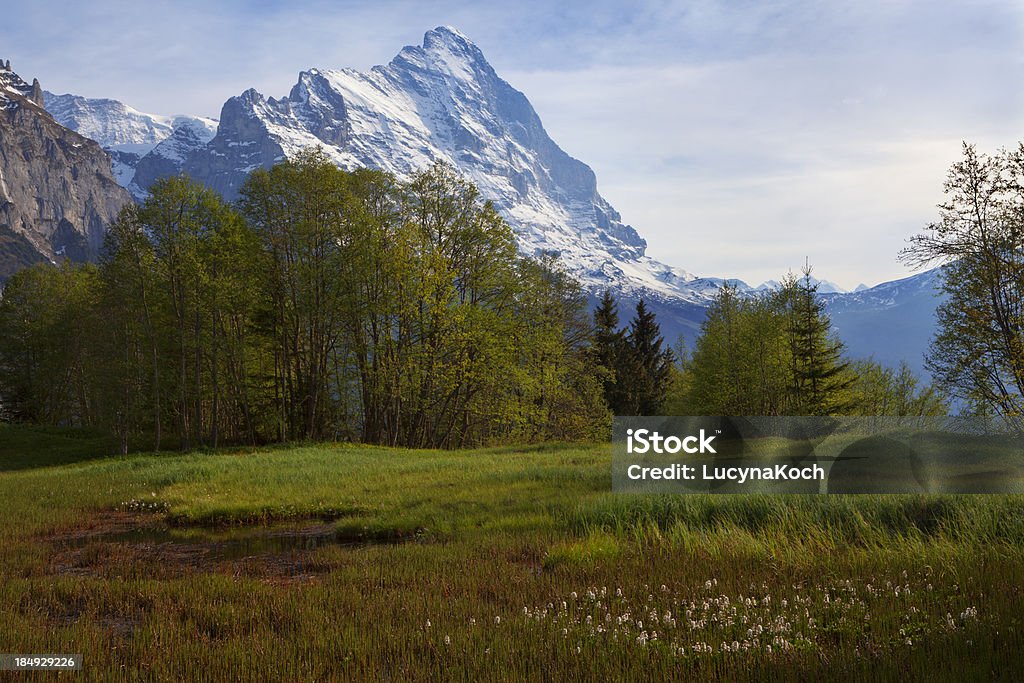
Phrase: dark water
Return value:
(227, 545)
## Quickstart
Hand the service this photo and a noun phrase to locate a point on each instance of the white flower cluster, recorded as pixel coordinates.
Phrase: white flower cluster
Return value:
(712, 622)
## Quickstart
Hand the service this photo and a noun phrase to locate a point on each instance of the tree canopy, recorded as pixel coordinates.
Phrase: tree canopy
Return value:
(978, 351)
(775, 353)
(325, 305)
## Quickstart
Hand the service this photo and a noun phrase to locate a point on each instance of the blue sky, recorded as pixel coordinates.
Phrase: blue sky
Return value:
(737, 137)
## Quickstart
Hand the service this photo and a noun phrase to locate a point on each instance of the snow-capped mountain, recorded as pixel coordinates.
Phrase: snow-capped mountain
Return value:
(189, 133)
(128, 134)
(113, 124)
(442, 101)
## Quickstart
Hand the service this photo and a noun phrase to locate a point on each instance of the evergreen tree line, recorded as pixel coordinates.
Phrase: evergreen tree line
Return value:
(769, 354)
(323, 305)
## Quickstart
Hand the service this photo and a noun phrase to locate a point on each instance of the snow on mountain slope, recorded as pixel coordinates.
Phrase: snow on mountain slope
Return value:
(15, 92)
(887, 294)
(111, 123)
(443, 101)
(826, 287)
(892, 322)
(189, 133)
(128, 134)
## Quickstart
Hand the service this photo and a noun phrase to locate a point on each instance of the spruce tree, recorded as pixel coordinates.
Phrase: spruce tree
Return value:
(648, 371)
(820, 375)
(610, 351)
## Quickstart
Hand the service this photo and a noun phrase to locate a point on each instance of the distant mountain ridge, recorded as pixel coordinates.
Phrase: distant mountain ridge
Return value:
(891, 322)
(129, 135)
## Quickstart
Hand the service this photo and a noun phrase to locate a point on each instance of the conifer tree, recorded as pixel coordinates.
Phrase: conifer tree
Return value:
(820, 375)
(610, 351)
(648, 368)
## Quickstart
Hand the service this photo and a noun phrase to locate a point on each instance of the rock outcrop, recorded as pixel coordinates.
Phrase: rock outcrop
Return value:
(57, 192)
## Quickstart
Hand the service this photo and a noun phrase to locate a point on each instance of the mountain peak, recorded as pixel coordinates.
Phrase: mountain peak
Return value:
(448, 36)
(447, 51)
(12, 84)
(440, 101)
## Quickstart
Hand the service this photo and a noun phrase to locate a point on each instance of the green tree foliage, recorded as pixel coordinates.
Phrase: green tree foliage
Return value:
(648, 364)
(405, 314)
(178, 298)
(459, 306)
(819, 374)
(878, 390)
(566, 401)
(327, 305)
(299, 211)
(775, 354)
(680, 382)
(197, 241)
(134, 363)
(610, 352)
(48, 355)
(978, 352)
(742, 362)
(636, 368)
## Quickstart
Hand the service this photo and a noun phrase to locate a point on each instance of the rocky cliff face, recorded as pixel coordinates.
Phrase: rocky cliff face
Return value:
(57, 192)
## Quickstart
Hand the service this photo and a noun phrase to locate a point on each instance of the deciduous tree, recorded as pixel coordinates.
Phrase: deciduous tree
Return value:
(978, 352)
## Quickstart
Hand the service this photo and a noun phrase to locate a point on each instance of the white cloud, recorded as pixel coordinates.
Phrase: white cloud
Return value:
(745, 167)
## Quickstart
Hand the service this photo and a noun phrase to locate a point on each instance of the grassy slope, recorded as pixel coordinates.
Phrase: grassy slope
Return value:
(925, 586)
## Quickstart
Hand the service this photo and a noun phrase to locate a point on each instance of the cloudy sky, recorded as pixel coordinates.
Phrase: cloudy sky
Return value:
(738, 137)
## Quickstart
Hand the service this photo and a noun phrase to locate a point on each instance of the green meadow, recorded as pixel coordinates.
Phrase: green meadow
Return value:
(339, 562)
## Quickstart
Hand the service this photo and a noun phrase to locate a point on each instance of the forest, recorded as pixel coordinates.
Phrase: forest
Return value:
(353, 306)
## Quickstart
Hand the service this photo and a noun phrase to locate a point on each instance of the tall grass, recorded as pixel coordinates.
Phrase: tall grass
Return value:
(851, 521)
(510, 543)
